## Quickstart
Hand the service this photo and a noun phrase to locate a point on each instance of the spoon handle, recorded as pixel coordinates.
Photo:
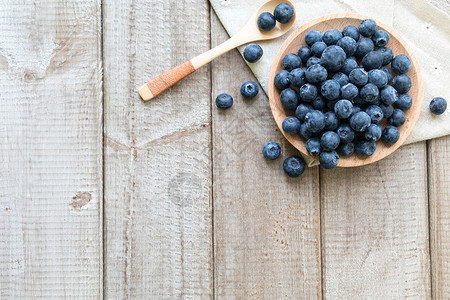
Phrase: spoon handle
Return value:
(159, 84)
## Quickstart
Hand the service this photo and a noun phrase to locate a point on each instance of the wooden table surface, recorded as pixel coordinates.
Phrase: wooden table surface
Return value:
(103, 195)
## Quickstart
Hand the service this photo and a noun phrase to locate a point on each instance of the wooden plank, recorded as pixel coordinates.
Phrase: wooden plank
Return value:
(375, 229)
(51, 150)
(266, 225)
(439, 191)
(158, 235)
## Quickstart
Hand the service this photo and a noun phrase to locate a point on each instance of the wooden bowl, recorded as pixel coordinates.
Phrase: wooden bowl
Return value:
(398, 46)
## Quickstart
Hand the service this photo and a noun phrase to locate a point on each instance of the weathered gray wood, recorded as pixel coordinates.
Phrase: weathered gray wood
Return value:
(266, 226)
(158, 237)
(439, 191)
(375, 229)
(51, 150)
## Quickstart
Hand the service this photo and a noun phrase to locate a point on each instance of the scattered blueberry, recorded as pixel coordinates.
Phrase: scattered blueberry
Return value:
(387, 110)
(349, 65)
(343, 109)
(329, 141)
(291, 125)
(358, 77)
(402, 83)
(378, 78)
(302, 110)
(346, 133)
(389, 95)
(341, 78)
(380, 38)
(331, 121)
(363, 46)
(319, 103)
(224, 101)
(253, 52)
(366, 148)
(284, 13)
(348, 44)
(315, 121)
(331, 89)
(438, 105)
(375, 113)
(282, 79)
(312, 61)
(331, 37)
(316, 74)
(294, 166)
(304, 53)
(333, 58)
(346, 149)
(266, 21)
(387, 54)
(397, 118)
(328, 160)
(289, 99)
(349, 91)
(360, 121)
(271, 150)
(291, 61)
(351, 31)
(372, 60)
(249, 89)
(317, 48)
(390, 134)
(404, 102)
(373, 132)
(401, 64)
(367, 27)
(313, 36)
(308, 92)
(313, 146)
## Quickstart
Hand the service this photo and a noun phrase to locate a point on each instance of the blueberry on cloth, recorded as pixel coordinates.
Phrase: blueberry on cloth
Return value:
(438, 105)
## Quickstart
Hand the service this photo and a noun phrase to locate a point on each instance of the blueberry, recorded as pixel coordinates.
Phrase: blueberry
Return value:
(378, 77)
(224, 101)
(401, 64)
(438, 105)
(271, 150)
(319, 103)
(366, 148)
(369, 93)
(315, 121)
(331, 121)
(367, 27)
(380, 38)
(348, 45)
(372, 60)
(333, 58)
(349, 65)
(358, 77)
(291, 125)
(363, 46)
(297, 77)
(387, 110)
(346, 133)
(355, 109)
(388, 73)
(302, 110)
(282, 80)
(294, 166)
(375, 113)
(387, 54)
(343, 109)
(253, 52)
(373, 132)
(404, 102)
(328, 160)
(312, 61)
(289, 99)
(316, 74)
(360, 121)
(402, 83)
(304, 132)
(329, 141)
(349, 91)
(351, 31)
(313, 36)
(332, 36)
(313, 146)
(397, 118)
(391, 135)
(317, 48)
(308, 92)
(331, 89)
(346, 149)
(284, 13)
(389, 95)
(291, 61)
(304, 53)
(341, 78)
(249, 89)
(266, 21)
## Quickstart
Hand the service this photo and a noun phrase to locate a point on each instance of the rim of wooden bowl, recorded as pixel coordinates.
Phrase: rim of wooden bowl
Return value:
(396, 43)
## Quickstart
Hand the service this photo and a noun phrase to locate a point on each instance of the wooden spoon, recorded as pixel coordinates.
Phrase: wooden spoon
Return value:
(249, 33)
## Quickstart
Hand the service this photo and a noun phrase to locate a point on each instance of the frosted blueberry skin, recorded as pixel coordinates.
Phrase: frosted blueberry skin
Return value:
(304, 53)
(224, 101)
(351, 31)
(271, 150)
(313, 146)
(319, 103)
(346, 133)
(389, 95)
(378, 78)
(343, 109)
(317, 48)
(397, 118)
(348, 45)
(388, 55)
(404, 102)
(266, 21)
(358, 77)
(438, 105)
(283, 13)
(402, 83)
(331, 89)
(329, 141)
(313, 36)
(375, 113)
(331, 37)
(308, 92)
(372, 60)
(366, 148)
(349, 91)
(331, 121)
(301, 111)
(249, 89)
(369, 93)
(333, 58)
(364, 46)
(401, 64)
(297, 77)
(315, 121)
(388, 73)
(294, 166)
(329, 159)
(349, 65)
(373, 132)
(367, 28)
(291, 125)
(316, 73)
(282, 80)
(253, 52)
(387, 110)
(341, 78)
(360, 121)
(346, 149)
(289, 99)
(304, 132)
(312, 61)
(291, 61)
(390, 134)
(380, 38)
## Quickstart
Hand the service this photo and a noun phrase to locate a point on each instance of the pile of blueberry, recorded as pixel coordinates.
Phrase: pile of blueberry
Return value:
(338, 102)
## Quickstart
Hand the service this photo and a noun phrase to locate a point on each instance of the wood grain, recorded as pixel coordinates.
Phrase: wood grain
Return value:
(439, 191)
(375, 229)
(266, 225)
(51, 150)
(158, 227)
